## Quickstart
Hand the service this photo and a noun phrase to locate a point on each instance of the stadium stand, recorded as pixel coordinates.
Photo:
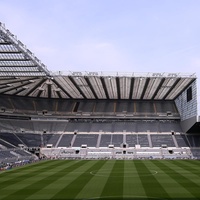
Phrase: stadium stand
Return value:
(132, 140)
(93, 115)
(159, 140)
(143, 140)
(182, 140)
(65, 141)
(90, 140)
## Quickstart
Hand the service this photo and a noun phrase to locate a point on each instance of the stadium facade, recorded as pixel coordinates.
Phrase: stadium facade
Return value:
(92, 115)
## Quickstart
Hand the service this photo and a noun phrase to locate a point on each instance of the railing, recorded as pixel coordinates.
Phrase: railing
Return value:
(124, 74)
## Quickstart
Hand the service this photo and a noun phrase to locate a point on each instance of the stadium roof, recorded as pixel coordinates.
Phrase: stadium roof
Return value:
(16, 59)
(23, 74)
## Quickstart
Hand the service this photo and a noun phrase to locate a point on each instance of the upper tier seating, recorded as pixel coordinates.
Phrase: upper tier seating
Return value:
(169, 126)
(163, 107)
(147, 126)
(59, 107)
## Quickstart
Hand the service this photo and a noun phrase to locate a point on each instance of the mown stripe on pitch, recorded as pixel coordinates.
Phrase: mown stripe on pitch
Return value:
(38, 185)
(95, 186)
(71, 190)
(114, 185)
(132, 183)
(26, 174)
(52, 189)
(190, 186)
(150, 184)
(170, 185)
(188, 168)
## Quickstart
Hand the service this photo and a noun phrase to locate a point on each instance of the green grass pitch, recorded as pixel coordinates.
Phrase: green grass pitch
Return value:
(103, 179)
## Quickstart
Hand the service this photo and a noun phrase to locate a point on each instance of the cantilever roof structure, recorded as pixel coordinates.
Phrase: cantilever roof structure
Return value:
(23, 74)
(16, 59)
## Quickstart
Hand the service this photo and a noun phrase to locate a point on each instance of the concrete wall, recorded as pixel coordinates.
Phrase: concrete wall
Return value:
(188, 123)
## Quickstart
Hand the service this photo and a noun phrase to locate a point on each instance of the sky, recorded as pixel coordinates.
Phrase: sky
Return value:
(109, 35)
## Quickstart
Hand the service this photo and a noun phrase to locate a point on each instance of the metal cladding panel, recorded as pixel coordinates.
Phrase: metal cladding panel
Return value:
(97, 86)
(151, 88)
(35, 93)
(18, 69)
(33, 83)
(111, 87)
(138, 87)
(6, 63)
(166, 86)
(11, 85)
(68, 86)
(63, 95)
(54, 91)
(179, 87)
(12, 56)
(187, 107)
(125, 86)
(44, 89)
(83, 86)
(15, 87)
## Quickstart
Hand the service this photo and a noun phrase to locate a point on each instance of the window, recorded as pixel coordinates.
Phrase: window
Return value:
(189, 94)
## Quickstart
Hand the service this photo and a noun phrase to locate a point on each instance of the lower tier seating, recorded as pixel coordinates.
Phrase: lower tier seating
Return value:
(99, 140)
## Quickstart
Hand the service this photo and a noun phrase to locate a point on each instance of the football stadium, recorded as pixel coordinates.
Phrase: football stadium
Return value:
(95, 135)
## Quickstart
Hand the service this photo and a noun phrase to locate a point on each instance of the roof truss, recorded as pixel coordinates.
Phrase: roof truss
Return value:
(94, 87)
(16, 59)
